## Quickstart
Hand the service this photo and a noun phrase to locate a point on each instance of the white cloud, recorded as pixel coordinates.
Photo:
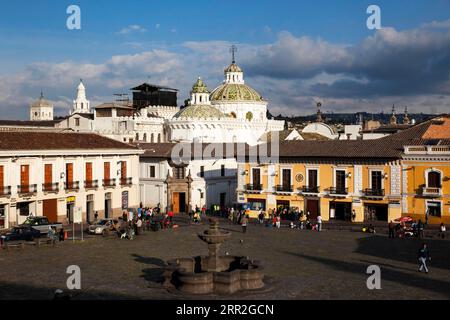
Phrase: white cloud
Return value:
(134, 28)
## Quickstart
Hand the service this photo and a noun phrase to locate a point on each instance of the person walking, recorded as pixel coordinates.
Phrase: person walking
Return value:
(244, 223)
(424, 256)
(391, 230)
(51, 235)
(319, 223)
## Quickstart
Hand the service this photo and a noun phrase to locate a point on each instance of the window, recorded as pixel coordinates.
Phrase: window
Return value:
(434, 179)
(179, 172)
(256, 177)
(434, 208)
(377, 180)
(152, 171)
(340, 180)
(312, 179)
(77, 122)
(286, 175)
(202, 171)
(222, 170)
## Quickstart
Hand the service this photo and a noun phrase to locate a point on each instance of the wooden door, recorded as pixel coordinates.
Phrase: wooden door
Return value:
(88, 174)
(48, 176)
(106, 171)
(256, 178)
(312, 179)
(69, 174)
(176, 202)
(25, 178)
(2, 181)
(286, 179)
(312, 206)
(50, 209)
(123, 170)
(434, 179)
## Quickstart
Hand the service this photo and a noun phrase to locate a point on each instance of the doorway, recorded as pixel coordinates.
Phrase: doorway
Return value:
(89, 208)
(376, 212)
(312, 206)
(342, 210)
(179, 202)
(108, 206)
(50, 209)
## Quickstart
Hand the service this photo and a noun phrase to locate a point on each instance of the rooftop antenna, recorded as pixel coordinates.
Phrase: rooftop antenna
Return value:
(122, 98)
(233, 51)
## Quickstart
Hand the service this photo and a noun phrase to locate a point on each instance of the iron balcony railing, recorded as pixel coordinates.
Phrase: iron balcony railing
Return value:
(308, 189)
(284, 188)
(5, 191)
(50, 187)
(373, 192)
(253, 187)
(126, 181)
(72, 186)
(92, 184)
(338, 191)
(109, 182)
(27, 189)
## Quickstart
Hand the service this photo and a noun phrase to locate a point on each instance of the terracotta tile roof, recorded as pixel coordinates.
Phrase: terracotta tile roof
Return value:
(19, 123)
(34, 140)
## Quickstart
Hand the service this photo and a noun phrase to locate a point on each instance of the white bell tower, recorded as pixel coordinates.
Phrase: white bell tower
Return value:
(81, 104)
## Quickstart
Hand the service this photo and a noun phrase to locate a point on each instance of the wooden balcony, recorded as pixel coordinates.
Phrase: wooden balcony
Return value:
(256, 188)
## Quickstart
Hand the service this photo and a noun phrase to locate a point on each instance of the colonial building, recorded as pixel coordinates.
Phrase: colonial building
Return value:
(53, 174)
(179, 177)
(406, 173)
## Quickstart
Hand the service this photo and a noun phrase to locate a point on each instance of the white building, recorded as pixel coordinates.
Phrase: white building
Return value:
(53, 173)
(41, 110)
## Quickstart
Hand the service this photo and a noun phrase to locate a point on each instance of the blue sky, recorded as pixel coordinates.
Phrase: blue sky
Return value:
(34, 33)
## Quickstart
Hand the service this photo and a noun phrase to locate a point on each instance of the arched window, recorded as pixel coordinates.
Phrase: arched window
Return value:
(152, 138)
(145, 137)
(159, 137)
(434, 179)
(137, 136)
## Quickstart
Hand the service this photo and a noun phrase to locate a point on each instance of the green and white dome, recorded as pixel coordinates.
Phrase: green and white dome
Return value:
(200, 112)
(234, 88)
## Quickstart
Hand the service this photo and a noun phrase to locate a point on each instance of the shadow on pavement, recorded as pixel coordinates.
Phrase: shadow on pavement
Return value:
(407, 279)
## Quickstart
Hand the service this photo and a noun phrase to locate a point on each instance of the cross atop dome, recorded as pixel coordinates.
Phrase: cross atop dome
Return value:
(234, 74)
(233, 50)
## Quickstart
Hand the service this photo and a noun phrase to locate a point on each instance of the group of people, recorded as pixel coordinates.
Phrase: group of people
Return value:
(416, 229)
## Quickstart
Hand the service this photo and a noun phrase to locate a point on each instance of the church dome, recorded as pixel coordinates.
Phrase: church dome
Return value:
(233, 68)
(235, 92)
(200, 87)
(41, 103)
(200, 112)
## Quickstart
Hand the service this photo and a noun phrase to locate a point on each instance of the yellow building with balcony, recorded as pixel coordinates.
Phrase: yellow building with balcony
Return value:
(360, 181)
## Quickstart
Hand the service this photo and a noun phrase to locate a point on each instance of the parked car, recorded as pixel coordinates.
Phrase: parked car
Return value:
(22, 233)
(41, 224)
(104, 226)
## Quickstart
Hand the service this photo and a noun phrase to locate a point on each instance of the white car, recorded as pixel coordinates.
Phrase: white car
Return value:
(103, 227)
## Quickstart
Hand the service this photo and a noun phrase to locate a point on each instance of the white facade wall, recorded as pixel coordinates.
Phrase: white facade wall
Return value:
(36, 161)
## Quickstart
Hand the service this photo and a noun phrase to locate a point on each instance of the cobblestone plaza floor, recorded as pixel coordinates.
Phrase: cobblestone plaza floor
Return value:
(298, 265)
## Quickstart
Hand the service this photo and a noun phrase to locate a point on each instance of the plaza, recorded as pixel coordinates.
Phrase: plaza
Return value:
(298, 264)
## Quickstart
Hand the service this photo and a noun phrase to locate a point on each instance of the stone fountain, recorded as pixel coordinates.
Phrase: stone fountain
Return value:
(214, 273)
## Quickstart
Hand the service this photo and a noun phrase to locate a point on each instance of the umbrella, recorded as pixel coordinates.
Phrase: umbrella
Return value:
(404, 219)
